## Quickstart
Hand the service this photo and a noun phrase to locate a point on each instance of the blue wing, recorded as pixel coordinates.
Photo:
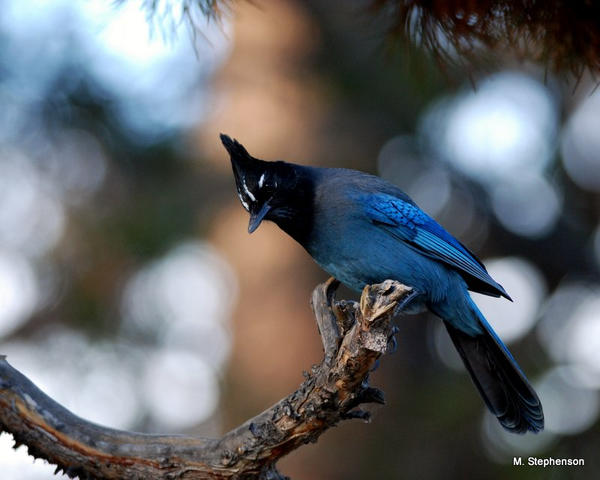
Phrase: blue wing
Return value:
(409, 223)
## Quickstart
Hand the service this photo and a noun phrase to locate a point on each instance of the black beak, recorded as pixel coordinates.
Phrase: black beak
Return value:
(257, 218)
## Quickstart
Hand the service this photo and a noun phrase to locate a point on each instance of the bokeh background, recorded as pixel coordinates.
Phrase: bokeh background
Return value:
(131, 292)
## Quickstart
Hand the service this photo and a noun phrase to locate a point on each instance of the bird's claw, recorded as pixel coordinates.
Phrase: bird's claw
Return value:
(402, 306)
(392, 345)
(375, 366)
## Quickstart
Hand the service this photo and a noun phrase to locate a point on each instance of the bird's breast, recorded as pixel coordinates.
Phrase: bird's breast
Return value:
(358, 253)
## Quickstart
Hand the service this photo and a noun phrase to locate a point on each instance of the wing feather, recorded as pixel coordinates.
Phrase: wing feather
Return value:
(409, 223)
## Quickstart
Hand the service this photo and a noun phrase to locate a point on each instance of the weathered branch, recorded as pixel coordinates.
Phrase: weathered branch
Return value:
(354, 336)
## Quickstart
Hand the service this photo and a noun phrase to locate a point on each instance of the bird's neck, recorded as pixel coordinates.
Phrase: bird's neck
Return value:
(296, 217)
(299, 226)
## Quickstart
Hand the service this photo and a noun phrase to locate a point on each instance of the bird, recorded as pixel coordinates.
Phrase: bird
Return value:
(363, 230)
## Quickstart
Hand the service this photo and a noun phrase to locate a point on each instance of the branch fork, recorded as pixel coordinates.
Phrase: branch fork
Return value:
(354, 336)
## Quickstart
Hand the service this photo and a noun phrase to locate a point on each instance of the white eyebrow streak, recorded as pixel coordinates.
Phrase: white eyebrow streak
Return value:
(248, 192)
(244, 203)
(261, 181)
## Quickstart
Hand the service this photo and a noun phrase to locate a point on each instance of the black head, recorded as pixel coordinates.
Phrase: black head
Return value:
(276, 191)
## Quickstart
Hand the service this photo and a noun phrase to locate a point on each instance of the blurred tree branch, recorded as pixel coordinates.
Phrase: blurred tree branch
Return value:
(562, 36)
(354, 336)
(168, 15)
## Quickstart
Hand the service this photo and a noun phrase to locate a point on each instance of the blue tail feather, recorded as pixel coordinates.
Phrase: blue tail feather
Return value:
(499, 379)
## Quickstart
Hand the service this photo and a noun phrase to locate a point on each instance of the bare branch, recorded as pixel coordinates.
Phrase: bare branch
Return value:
(353, 338)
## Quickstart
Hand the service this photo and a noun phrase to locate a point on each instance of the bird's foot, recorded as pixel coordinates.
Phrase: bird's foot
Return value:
(375, 366)
(392, 344)
(406, 305)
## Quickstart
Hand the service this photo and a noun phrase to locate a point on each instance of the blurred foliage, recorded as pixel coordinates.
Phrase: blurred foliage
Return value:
(563, 36)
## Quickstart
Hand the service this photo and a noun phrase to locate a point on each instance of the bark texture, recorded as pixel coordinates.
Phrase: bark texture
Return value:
(354, 336)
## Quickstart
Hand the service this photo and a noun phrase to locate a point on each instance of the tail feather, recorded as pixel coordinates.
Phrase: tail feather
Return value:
(503, 386)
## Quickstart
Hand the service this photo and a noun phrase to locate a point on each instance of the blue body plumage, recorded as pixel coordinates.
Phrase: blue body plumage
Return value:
(364, 230)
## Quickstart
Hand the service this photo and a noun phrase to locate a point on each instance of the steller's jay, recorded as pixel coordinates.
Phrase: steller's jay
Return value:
(364, 230)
